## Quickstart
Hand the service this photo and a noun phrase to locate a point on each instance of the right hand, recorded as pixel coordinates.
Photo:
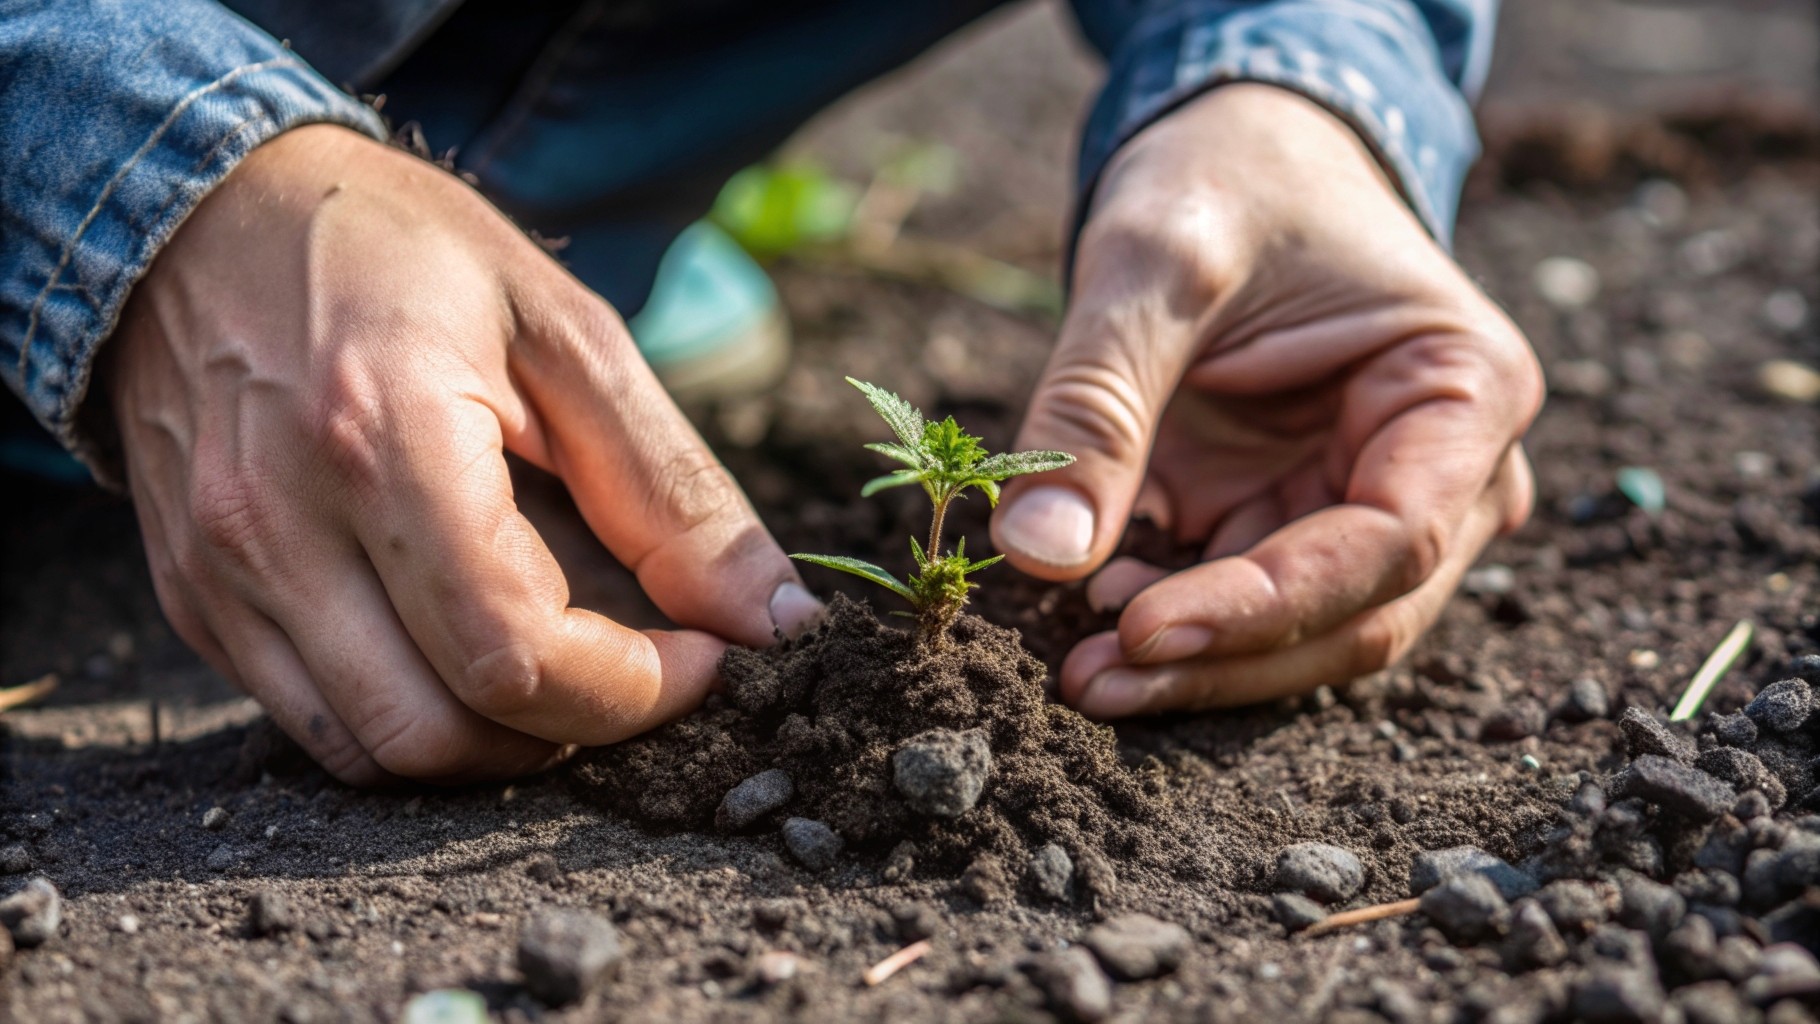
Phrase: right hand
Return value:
(315, 384)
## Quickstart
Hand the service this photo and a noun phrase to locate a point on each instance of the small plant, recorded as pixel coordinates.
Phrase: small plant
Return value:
(946, 461)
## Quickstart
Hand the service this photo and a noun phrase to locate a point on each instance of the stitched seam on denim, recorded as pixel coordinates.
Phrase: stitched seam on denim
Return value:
(107, 191)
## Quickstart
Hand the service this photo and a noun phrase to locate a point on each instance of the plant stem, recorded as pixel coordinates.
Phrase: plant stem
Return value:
(935, 526)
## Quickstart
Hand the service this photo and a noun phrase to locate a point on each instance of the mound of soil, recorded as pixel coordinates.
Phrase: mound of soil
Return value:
(831, 709)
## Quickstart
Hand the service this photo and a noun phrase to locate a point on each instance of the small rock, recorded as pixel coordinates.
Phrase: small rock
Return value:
(1610, 994)
(813, 844)
(1586, 700)
(1786, 970)
(1742, 770)
(942, 773)
(1714, 888)
(776, 966)
(987, 881)
(1581, 378)
(1789, 381)
(1466, 907)
(1296, 911)
(1692, 947)
(1566, 283)
(1643, 735)
(221, 858)
(1738, 958)
(1807, 667)
(1075, 987)
(216, 818)
(1134, 947)
(1711, 1002)
(772, 914)
(128, 924)
(1781, 707)
(915, 921)
(1490, 580)
(1649, 906)
(268, 912)
(900, 863)
(445, 1006)
(1676, 787)
(1734, 730)
(754, 800)
(1051, 873)
(33, 913)
(1534, 941)
(1432, 867)
(15, 859)
(1520, 719)
(565, 954)
(1320, 871)
(543, 868)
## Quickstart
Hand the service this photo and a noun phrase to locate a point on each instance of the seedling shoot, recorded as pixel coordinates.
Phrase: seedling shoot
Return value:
(946, 461)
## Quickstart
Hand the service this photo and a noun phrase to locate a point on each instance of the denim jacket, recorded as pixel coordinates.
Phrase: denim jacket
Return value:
(118, 116)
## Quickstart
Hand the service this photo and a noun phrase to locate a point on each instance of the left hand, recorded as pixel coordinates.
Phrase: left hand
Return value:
(1268, 355)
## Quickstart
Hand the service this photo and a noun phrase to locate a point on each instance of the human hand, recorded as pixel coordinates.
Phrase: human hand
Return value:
(1267, 355)
(315, 385)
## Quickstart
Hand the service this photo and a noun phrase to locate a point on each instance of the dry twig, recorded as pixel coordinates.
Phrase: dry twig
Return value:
(25, 693)
(1348, 918)
(878, 972)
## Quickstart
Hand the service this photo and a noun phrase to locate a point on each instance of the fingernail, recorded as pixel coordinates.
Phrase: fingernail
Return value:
(1053, 525)
(795, 611)
(1173, 643)
(1116, 693)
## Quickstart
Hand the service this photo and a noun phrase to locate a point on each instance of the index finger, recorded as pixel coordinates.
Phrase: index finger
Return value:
(487, 604)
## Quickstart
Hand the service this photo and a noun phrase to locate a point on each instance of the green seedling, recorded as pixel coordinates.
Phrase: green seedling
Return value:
(946, 461)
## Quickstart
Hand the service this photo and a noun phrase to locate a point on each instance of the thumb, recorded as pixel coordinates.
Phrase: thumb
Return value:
(1122, 351)
(649, 486)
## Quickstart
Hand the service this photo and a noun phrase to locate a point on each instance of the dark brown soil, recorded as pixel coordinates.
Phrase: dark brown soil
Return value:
(105, 787)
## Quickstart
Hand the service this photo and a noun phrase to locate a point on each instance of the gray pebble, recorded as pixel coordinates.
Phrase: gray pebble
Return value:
(1712, 1002)
(268, 912)
(1466, 908)
(1676, 787)
(1644, 734)
(1320, 871)
(222, 857)
(1781, 706)
(1534, 940)
(15, 859)
(1052, 873)
(942, 773)
(1586, 700)
(1137, 946)
(1075, 987)
(753, 800)
(1432, 867)
(1296, 911)
(33, 913)
(1520, 719)
(1649, 906)
(813, 844)
(915, 921)
(1743, 771)
(1692, 947)
(1734, 730)
(216, 818)
(1616, 994)
(565, 954)
(1807, 667)
(1785, 971)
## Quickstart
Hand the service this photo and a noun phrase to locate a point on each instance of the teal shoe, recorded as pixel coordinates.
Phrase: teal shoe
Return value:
(713, 326)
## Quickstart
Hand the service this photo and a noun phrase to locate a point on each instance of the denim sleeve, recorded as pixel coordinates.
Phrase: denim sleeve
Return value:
(116, 118)
(1400, 72)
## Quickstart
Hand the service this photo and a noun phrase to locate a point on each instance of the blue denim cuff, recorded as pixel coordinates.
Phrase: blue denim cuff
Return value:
(114, 130)
(1373, 63)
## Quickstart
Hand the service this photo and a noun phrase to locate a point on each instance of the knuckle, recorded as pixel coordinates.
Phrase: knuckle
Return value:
(1151, 235)
(502, 683)
(346, 427)
(420, 747)
(234, 515)
(695, 491)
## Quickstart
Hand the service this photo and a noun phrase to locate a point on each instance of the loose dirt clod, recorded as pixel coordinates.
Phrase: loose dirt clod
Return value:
(1133, 947)
(565, 954)
(942, 772)
(1075, 987)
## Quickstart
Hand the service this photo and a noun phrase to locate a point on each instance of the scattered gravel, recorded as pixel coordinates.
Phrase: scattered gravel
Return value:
(1432, 867)
(33, 913)
(1574, 906)
(1134, 947)
(1586, 700)
(1534, 940)
(565, 954)
(1320, 871)
(1075, 987)
(813, 844)
(1520, 719)
(1675, 787)
(754, 800)
(216, 818)
(1644, 734)
(1649, 906)
(942, 773)
(1296, 911)
(1466, 907)
(1733, 730)
(1617, 994)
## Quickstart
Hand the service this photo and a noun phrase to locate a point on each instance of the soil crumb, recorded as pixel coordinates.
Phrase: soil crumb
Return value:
(832, 708)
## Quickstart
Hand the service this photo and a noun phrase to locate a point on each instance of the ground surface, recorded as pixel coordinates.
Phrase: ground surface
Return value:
(1702, 282)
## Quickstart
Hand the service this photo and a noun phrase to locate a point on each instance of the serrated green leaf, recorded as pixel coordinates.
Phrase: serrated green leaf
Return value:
(862, 569)
(896, 479)
(973, 567)
(900, 415)
(1010, 464)
(990, 487)
(907, 456)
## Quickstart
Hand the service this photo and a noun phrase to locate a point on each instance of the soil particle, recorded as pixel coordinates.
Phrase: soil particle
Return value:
(916, 921)
(813, 844)
(1466, 907)
(33, 913)
(565, 954)
(222, 858)
(1073, 985)
(216, 818)
(1586, 700)
(1645, 735)
(1432, 867)
(1520, 719)
(1134, 947)
(1296, 911)
(754, 800)
(1051, 873)
(1676, 788)
(269, 912)
(1733, 730)
(1320, 871)
(1534, 941)
(941, 773)
(1781, 706)
(1609, 994)
(776, 966)
(15, 859)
